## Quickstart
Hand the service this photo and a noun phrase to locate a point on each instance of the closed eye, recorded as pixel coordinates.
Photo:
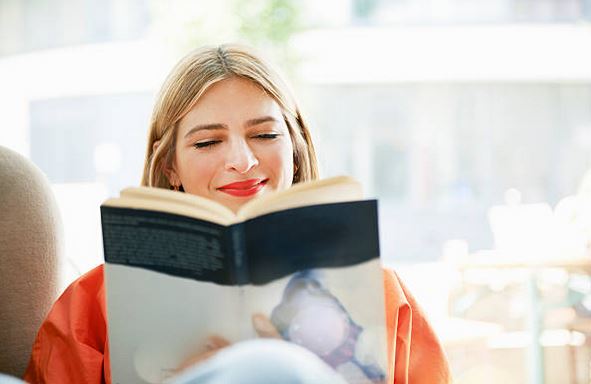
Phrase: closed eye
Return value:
(267, 136)
(206, 144)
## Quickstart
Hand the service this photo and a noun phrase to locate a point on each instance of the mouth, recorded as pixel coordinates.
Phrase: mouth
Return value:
(244, 188)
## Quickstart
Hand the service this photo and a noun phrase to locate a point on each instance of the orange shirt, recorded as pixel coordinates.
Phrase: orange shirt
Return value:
(72, 347)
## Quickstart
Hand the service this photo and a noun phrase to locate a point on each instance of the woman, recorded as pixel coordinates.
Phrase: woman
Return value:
(226, 127)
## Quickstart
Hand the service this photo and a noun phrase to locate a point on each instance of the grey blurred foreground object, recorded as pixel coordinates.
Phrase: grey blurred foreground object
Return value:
(10, 380)
(30, 250)
(261, 361)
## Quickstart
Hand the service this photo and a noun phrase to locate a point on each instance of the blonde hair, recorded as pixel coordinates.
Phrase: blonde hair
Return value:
(191, 78)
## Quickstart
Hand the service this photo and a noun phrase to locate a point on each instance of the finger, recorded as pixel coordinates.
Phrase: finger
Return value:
(216, 342)
(196, 360)
(264, 328)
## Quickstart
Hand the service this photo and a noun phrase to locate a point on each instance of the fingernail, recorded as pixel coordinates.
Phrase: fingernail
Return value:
(262, 324)
(211, 343)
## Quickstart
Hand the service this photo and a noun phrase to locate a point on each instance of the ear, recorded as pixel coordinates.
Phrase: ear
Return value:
(169, 172)
(155, 146)
(296, 161)
(172, 175)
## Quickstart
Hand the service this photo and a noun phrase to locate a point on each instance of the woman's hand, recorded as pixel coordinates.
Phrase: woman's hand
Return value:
(261, 324)
(264, 327)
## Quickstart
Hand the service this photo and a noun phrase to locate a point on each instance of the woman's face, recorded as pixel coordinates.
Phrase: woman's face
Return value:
(233, 145)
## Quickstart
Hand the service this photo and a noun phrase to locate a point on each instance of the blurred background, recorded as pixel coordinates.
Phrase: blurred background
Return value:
(469, 120)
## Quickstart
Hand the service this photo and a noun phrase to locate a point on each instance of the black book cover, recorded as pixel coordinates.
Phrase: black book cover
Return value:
(256, 251)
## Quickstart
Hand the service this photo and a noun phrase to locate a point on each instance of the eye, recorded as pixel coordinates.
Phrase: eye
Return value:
(268, 136)
(206, 144)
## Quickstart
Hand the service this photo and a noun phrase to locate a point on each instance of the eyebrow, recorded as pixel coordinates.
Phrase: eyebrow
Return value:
(218, 126)
(206, 127)
(260, 120)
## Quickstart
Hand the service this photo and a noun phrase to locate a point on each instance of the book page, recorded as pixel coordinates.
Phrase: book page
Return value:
(332, 190)
(180, 203)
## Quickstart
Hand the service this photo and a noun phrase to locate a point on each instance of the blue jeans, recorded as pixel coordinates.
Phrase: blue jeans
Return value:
(261, 361)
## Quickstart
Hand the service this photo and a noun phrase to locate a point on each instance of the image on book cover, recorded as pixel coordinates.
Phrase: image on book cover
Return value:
(311, 316)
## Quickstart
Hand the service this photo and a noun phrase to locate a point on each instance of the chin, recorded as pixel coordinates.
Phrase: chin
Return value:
(236, 204)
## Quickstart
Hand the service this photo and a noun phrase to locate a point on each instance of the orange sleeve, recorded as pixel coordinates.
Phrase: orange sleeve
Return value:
(414, 352)
(71, 344)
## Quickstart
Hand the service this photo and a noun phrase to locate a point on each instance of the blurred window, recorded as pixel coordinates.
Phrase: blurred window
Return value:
(28, 25)
(91, 138)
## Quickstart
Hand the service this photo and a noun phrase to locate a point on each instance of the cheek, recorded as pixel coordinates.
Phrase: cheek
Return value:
(195, 171)
(284, 161)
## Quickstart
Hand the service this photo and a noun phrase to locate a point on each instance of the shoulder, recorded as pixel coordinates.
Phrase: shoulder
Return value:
(413, 346)
(71, 343)
(90, 282)
(396, 293)
(88, 288)
(400, 299)
(80, 311)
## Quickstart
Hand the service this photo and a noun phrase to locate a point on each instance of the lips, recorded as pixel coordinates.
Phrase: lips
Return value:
(246, 184)
(244, 188)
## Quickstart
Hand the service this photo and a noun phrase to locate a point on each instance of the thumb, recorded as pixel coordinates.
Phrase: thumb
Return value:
(264, 328)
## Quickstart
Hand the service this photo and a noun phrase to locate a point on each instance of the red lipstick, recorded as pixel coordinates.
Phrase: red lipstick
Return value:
(244, 188)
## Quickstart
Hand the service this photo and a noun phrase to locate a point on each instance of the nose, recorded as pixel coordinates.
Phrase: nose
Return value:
(241, 158)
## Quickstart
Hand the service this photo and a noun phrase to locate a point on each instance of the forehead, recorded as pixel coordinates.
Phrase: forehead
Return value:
(233, 98)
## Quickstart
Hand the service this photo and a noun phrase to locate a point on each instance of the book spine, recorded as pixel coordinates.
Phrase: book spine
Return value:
(238, 254)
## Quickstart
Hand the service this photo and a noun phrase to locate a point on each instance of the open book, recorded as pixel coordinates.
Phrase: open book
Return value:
(180, 268)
